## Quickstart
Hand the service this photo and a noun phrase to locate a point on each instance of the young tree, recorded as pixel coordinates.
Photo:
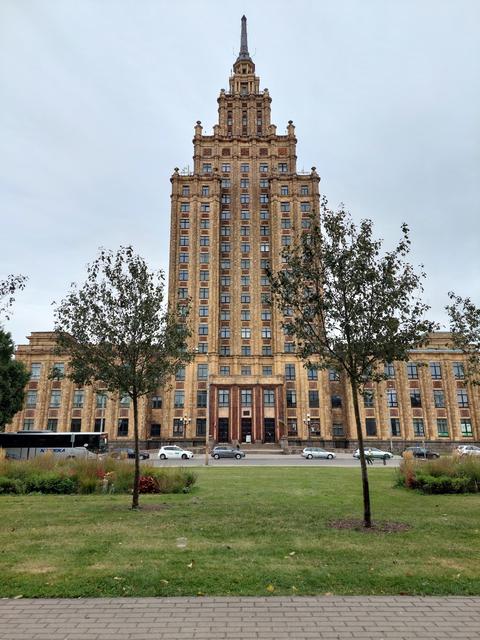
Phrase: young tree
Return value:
(117, 333)
(13, 378)
(7, 290)
(353, 307)
(465, 329)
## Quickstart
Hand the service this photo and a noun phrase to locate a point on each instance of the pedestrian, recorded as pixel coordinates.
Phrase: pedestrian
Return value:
(369, 456)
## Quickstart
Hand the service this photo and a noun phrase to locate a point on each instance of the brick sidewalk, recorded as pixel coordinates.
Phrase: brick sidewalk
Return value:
(299, 618)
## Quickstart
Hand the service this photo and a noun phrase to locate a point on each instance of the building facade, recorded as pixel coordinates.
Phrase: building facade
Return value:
(231, 217)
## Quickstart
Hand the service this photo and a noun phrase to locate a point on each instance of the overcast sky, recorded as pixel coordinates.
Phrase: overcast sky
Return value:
(98, 99)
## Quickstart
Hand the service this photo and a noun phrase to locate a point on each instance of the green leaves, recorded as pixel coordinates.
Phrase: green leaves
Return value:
(13, 378)
(465, 328)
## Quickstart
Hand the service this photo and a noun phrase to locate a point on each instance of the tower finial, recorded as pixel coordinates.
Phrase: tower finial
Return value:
(244, 55)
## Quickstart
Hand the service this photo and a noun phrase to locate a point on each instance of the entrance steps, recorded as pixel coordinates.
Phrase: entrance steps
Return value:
(261, 447)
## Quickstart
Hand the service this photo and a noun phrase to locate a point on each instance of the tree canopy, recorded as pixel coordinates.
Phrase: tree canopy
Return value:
(13, 378)
(465, 329)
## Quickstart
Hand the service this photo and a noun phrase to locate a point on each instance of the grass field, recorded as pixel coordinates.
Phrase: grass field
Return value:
(249, 531)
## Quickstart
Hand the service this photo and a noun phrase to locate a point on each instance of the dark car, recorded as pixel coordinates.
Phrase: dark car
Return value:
(128, 453)
(422, 452)
(227, 452)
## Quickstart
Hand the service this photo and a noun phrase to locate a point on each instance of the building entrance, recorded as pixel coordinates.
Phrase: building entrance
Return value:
(246, 429)
(223, 430)
(269, 430)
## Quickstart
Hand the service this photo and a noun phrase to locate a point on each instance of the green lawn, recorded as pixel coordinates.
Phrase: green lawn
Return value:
(249, 531)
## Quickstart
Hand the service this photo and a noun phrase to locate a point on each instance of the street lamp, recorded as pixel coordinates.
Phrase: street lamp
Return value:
(185, 422)
(306, 421)
(207, 421)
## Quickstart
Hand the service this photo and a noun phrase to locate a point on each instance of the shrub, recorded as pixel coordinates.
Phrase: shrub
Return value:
(442, 484)
(50, 482)
(148, 484)
(450, 474)
(10, 485)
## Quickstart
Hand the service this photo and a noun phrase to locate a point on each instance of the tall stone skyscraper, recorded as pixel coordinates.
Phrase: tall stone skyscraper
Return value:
(231, 217)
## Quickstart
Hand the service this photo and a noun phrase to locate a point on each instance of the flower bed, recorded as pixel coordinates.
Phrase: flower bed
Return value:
(450, 474)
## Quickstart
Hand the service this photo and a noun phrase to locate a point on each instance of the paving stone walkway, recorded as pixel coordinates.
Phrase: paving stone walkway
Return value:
(274, 618)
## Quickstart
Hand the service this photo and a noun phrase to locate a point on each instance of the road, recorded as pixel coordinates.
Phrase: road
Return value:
(272, 460)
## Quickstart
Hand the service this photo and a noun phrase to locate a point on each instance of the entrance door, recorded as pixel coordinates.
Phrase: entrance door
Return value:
(223, 430)
(269, 430)
(246, 429)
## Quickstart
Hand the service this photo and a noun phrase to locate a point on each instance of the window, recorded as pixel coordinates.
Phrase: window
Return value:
(206, 168)
(395, 427)
(313, 399)
(370, 427)
(292, 427)
(31, 401)
(183, 257)
(312, 373)
(466, 428)
(246, 397)
(264, 183)
(266, 332)
(245, 247)
(156, 402)
(99, 425)
(184, 241)
(78, 398)
(35, 371)
(389, 370)
(282, 167)
(223, 397)
(245, 299)
(286, 241)
(202, 371)
(203, 330)
(182, 293)
(180, 374)
(264, 247)
(225, 281)
(245, 314)
(245, 214)
(224, 332)
(306, 224)
(244, 168)
(224, 371)
(266, 350)
(75, 424)
(439, 398)
(185, 190)
(125, 402)
(244, 198)
(244, 182)
(28, 424)
(368, 399)
(58, 371)
(418, 427)
(263, 198)
(225, 298)
(183, 275)
(55, 398)
(244, 230)
(179, 399)
(225, 263)
(264, 215)
(289, 347)
(264, 263)
(203, 293)
(184, 223)
(289, 372)
(201, 427)
(304, 207)
(246, 350)
(435, 370)
(204, 241)
(178, 424)
(415, 398)
(336, 401)
(225, 215)
(462, 398)
(286, 223)
(304, 190)
(291, 398)
(266, 315)
(203, 312)
(205, 190)
(225, 199)
(224, 314)
(201, 399)
(202, 347)
(225, 247)
(184, 206)
(263, 167)
(122, 429)
(52, 424)
(284, 192)
(246, 371)
(442, 427)
(412, 371)
(333, 375)
(226, 168)
(268, 398)
(458, 370)
(267, 371)
(155, 429)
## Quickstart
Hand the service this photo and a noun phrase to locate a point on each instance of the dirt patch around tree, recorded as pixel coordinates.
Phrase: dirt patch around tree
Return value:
(377, 527)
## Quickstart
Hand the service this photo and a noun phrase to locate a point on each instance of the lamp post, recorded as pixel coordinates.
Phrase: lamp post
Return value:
(307, 424)
(207, 422)
(185, 422)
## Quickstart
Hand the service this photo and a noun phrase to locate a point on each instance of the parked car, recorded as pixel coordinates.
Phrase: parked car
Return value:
(227, 452)
(468, 450)
(422, 452)
(374, 453)
(317, 452)
(128, 453)
(174, 452)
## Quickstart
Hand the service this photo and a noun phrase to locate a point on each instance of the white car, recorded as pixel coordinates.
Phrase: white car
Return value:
(374, 453)
(469, 450)
(174, 452)
(317, 452)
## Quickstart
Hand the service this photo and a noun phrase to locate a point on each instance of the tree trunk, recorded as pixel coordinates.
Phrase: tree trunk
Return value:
(367, 517)
(136, 477)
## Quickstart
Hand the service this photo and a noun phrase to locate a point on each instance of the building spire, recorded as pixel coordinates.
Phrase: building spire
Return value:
(244, 55)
